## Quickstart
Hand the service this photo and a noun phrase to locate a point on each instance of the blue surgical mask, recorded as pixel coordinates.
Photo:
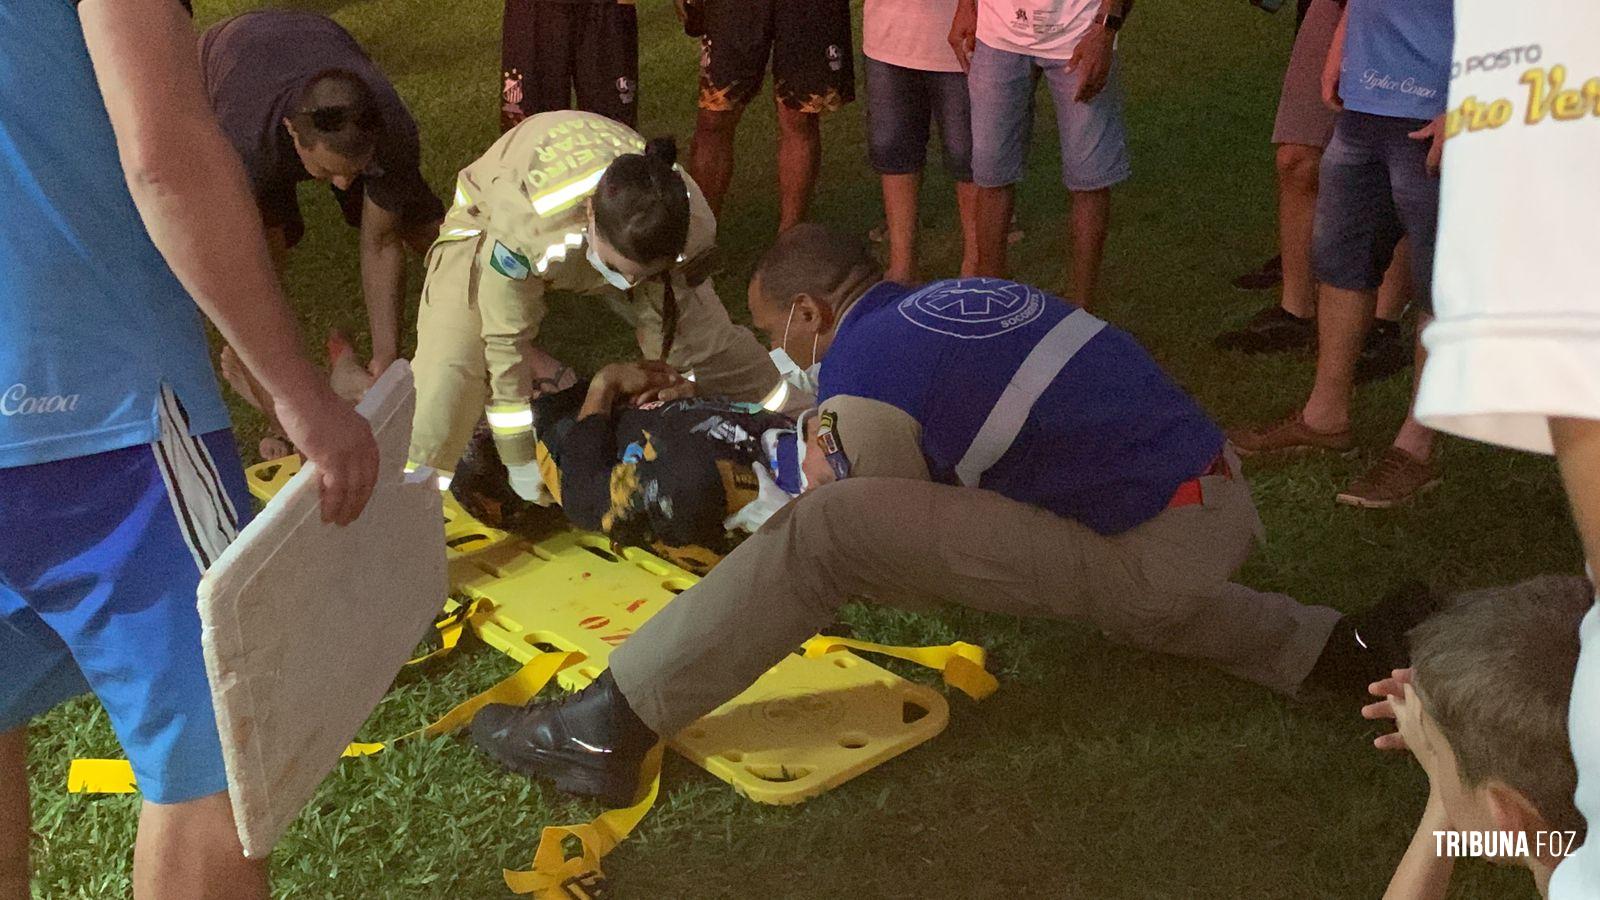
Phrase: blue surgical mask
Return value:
(612, 276)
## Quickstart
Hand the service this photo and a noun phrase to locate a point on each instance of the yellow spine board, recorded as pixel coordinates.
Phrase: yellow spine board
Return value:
(559, 606)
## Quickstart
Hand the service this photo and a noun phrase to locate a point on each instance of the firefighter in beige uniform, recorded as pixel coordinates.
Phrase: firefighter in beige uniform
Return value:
(574, 202)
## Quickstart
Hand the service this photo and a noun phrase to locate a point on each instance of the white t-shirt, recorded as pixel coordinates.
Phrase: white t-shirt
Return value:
(1046, 28)
(1517, 278)
(912, 34)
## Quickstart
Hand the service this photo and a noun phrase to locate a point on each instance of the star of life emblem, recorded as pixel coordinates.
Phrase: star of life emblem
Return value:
(973, 308)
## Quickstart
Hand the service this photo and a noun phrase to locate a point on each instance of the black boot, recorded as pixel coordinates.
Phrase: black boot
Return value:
(589, 743)
(1369, 645)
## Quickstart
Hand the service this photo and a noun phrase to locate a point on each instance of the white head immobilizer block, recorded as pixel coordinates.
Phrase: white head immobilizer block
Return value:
(304, 625)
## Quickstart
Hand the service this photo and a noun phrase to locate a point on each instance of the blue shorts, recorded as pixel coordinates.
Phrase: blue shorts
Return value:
(1374, 188)
(1094, 141)
(98, 572)
(902, 105)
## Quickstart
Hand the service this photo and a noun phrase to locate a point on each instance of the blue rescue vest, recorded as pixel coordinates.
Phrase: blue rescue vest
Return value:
(1023, 394)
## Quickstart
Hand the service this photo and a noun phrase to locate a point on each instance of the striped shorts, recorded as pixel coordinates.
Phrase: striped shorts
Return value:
(98, 569)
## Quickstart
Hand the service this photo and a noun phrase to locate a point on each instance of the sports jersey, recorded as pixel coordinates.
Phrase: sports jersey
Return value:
(95, 320)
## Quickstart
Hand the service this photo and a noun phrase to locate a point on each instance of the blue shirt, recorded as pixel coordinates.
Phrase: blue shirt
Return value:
(1020, 393)
(95, 322)
(1397, 57)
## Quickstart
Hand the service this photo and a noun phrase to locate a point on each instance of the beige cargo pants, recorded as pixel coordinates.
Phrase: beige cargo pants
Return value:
(1162, 586)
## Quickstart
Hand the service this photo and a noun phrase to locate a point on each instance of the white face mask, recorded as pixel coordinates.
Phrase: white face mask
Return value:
(612, 276)
(801, 379)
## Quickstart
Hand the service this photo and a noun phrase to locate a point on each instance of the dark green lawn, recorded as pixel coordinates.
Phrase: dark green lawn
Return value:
(1096, 772)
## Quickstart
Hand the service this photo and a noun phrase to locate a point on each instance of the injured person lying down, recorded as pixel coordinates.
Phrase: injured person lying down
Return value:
(682, 477)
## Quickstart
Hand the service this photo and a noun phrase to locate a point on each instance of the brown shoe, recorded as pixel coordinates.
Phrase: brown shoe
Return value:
(1396, 477)
(1291, 434)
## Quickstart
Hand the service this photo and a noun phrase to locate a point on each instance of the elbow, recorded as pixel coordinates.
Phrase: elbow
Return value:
(150, 174)
(157, 169)
(174, 157)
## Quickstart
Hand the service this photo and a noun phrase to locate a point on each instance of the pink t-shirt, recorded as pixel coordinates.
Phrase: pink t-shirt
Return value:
(913, 34)
(1045, 28)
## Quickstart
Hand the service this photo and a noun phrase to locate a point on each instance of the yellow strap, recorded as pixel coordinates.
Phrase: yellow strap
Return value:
(115, 776)
(556, 876)
(451, 627)
(100, 776)
(961, 663)
(514, 691)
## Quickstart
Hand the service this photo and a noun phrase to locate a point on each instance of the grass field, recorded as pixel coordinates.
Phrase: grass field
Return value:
(1096, 772)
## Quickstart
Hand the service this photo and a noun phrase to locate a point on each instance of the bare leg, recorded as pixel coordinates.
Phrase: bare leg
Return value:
(799, 161)
(967, 203)
(994, 220)
(238, 377)
(1343, 319)
(900, 212)
(1091, 219)
(14, 816)
(1395, 292)
(1297, 206)
(190, 851)
(711, 154)
(1414, 437)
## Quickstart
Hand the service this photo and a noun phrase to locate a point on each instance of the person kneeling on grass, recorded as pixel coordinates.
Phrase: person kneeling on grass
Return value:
(624, 456)
(1485, 713)
(977, 443)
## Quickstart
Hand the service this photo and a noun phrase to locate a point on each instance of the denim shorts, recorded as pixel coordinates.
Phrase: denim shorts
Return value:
(902, 104)
(1094, 144)
(1375, 188)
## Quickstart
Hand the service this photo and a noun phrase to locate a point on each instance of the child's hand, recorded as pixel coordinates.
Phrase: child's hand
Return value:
(1393, 686)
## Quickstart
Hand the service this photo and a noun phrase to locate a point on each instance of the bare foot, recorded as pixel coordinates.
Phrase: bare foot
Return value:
(272, 447)
(349, 378)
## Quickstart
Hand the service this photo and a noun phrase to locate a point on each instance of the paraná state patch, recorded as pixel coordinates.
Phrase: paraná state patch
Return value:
(509, 263)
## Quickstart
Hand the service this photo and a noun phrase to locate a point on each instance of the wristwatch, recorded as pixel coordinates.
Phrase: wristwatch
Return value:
(1111, 22)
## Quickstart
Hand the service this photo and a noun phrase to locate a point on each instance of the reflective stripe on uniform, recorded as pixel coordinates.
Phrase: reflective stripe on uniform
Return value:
(559, 251)
(509, 418)
(559, 198)
(780, 395)
(442, 479)
(1043, 363)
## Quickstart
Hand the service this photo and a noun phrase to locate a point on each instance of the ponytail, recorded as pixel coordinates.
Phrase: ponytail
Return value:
(641, 205)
